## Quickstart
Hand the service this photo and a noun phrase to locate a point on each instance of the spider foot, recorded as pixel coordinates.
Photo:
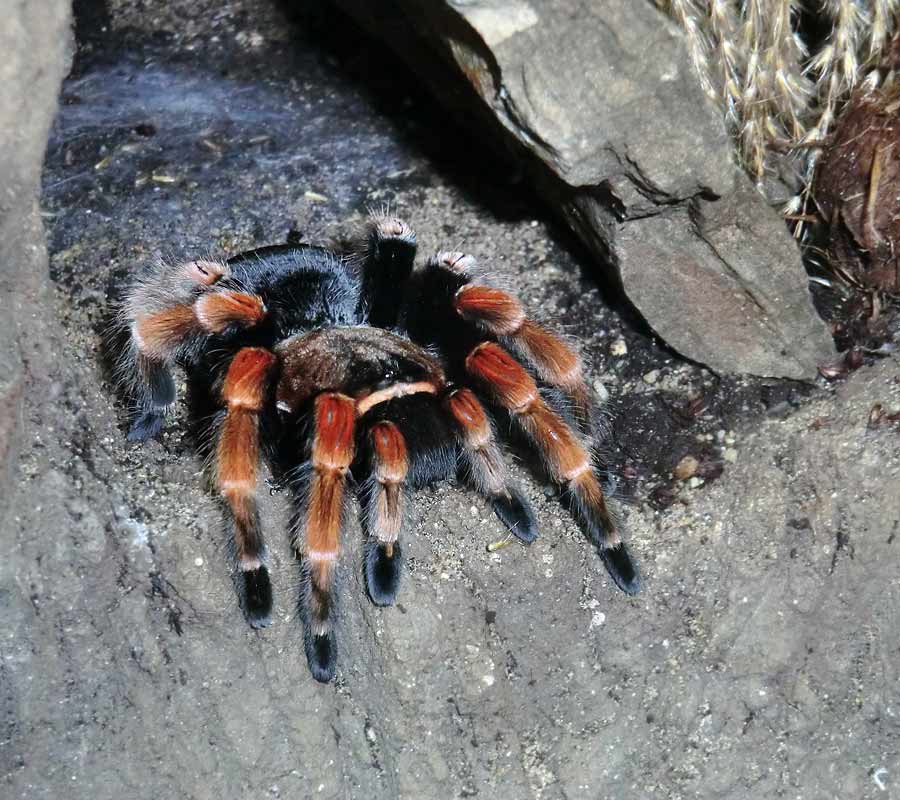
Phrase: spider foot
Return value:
(621, 568)
(392, 229)
(461, 264)
(591, 509)
(146, 425)
(516, 514)
(321, 654)
(383, 562)
(257, 597)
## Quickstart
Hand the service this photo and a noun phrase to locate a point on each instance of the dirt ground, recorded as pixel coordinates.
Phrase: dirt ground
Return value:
(760, 661)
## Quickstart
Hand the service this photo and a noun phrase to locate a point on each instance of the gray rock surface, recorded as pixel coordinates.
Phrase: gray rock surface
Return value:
(599, 100)
(760, 662)
(33, 41)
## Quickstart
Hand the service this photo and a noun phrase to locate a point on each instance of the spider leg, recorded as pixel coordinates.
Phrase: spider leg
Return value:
(384, 511)
(237, 460)
(168, 317)
(318, 542)
(500, 314)
(387, 253)
(566, 458)
(486, 466)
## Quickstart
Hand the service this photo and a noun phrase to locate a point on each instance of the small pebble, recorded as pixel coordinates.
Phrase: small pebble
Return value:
(730, 455)
(601, 391)
(652, 376)
(686, 468)
(695, 483)
(780, 410)
(619, 348)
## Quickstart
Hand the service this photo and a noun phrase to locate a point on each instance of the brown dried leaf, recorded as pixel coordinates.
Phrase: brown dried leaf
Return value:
(856, 190)
(847, 363)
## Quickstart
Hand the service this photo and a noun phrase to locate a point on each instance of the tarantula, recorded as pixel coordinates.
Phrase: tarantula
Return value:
(340, 365)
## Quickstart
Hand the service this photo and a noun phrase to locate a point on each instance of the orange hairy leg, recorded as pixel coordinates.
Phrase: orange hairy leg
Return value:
(486, 466)
(554, 361)
(237, 462)
(167, 316)
(390, 468)
(217, 310)
(332, 453)
(158, 335)
(566, 458)
(384, 511)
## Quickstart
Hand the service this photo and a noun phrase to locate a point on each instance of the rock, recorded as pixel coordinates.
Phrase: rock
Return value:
(619, 348)
(33, 40)
(600, 103)
(686, 468)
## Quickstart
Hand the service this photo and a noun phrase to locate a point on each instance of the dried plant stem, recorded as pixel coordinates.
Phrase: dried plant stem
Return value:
(836, 65)
(729, 60)
(692, 15)
(756, 91)
(775, 95)
(884, 19)
(784, 55)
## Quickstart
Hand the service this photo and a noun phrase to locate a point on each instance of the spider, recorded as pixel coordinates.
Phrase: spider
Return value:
(337, 365)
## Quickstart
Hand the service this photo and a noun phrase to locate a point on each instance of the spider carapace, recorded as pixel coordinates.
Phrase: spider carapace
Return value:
(353, 372)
